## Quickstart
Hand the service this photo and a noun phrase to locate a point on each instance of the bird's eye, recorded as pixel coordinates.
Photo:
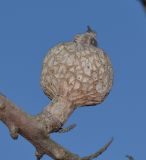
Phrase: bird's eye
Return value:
(94, 42)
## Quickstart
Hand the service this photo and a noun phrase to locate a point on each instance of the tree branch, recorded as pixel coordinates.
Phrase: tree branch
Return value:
(18, 122)
(98, 153)
(67, 129)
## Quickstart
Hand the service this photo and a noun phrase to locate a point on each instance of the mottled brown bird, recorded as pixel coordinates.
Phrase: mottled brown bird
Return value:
(78, 71)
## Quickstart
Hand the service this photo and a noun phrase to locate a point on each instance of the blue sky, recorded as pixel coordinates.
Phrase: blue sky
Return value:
(29, 28)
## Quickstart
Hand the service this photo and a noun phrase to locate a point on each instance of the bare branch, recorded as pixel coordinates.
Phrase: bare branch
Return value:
(35, 132)
(98, 153)
(69, 128)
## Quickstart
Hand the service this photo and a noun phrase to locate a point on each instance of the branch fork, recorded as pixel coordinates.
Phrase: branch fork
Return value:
(20, 123)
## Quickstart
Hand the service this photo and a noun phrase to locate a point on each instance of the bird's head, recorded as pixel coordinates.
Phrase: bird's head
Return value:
(88, 38)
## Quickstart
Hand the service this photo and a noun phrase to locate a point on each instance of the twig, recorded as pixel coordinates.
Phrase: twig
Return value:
(67, 129)
(98, 153)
